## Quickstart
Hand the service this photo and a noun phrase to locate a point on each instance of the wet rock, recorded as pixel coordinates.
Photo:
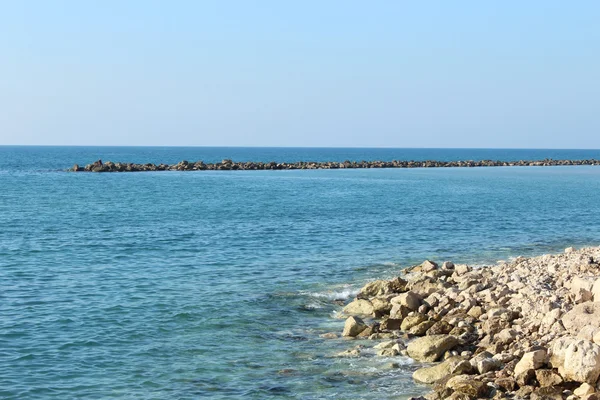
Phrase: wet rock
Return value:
(353, 327)
(467, 385)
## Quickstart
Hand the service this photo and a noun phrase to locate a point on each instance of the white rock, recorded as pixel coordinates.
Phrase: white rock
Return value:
(582, 362)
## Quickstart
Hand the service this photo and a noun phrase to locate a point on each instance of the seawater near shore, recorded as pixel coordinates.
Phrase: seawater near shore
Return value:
(528, 328)
(229, 165)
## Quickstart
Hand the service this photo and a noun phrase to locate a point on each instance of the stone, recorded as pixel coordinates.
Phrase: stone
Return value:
(452, 365)
(349, 353)
(382, 287)
(412, 320)
(581, 315)
(531, 361)
(467, 385)
(428, 266)
(431, 348)
(399, 312)
(390, 324)
(353, 327)
(421, 329)
(439, 328)
(546, 393)
(359, 307)
(596, 290)
(410, 300)
(584, 389)
(570, 250)
(505, 336)
(581, 362)
(476, 312)
(547, 377)
(558, 351)
(506, 384)
(329, 335)
(488, 364)
(462, 269)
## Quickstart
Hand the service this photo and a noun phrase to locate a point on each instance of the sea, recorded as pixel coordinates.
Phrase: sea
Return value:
(218, 284)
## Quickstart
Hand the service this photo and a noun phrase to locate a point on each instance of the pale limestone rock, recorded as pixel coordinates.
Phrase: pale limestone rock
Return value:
(431, 348)
(452, 365)
(412, 320)
(531, 361)
(584, 389)
(353, 326)
(359, 307)
(581, 315)
(582, 362)
(410, 299)
(462, 269)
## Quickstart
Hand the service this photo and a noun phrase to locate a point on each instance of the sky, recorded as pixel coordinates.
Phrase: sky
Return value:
(507, 74)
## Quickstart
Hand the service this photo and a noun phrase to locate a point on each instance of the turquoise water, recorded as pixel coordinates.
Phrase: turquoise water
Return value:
(191, 285)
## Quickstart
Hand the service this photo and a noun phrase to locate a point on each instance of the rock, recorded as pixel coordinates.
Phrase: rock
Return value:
(584, 389)
(570, 250)
(506, 384)
(349, 353)
(431, 348)
(425, 286)
(329, 335)
(421, 329)
(531, 361)
(353, 327)
(505, 336)
(547, 377)
(476, 312)
(440, 328)
(467, 385)
(382, 287)
(462, 269)
(452, 365)
(428, 266)
(410, 300)
(581, 315)
(581, 287)
(399, 312)
(359, 307)
(390, 324)
(448, 265)
(488, 364)
(412, 320)
(547, 393)
(381, 306)
(581, 362)
(596, 290)
(558, 351)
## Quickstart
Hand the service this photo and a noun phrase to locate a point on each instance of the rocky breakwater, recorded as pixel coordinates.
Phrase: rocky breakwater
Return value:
(525, 329)
(229, 165)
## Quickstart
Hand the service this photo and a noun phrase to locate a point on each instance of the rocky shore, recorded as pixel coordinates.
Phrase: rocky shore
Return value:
(525, 329)
(229, 165)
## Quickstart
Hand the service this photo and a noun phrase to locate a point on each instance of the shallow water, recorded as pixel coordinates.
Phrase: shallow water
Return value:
(217, 284)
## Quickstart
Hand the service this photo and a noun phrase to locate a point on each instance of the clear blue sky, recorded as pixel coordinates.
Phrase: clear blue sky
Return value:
(301, 73)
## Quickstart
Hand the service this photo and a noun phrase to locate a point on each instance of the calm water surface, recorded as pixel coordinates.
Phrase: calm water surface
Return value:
(191, 285)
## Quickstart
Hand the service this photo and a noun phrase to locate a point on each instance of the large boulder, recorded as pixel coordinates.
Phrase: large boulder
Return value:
(353, 327)
(431, 348)
(582, 362)
(583, 314)
(359, 307)
(452, 365)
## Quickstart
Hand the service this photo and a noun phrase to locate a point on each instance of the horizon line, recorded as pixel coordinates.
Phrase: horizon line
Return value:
(304, 147)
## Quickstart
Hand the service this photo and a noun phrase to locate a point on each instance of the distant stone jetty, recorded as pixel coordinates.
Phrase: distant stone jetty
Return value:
(229, 165)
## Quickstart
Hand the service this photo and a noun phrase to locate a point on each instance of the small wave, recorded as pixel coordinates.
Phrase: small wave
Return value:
(343, 294)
